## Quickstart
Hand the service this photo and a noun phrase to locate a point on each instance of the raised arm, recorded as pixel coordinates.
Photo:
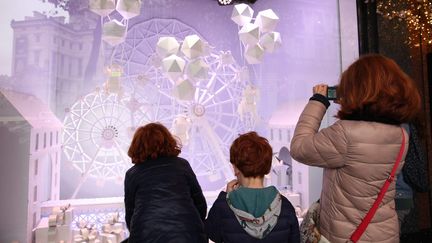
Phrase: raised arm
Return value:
(325, 148)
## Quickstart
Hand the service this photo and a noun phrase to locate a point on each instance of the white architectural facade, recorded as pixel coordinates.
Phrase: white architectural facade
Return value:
(30, 133)
(50, 57)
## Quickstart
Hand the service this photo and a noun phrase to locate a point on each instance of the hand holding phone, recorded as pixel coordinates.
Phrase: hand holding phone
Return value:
(331, 92)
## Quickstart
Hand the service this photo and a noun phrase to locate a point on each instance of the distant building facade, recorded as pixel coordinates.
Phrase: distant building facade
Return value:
(50, 57)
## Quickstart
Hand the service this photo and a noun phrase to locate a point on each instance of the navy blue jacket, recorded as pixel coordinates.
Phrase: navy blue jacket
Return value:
(221, 225)
(164, 202)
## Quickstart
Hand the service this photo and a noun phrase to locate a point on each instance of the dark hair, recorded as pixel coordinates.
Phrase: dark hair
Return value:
(375, 88)
(251, 154)
(152, 141)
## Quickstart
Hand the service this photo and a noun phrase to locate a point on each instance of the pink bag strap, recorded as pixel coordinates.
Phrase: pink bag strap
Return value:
(366, 220)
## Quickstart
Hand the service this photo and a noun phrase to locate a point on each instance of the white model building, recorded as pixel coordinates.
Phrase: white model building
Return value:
(50, 57)
(305, 180)
(30, 150)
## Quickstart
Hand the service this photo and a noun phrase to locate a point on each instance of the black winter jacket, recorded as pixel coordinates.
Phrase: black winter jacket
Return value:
(221, 225)
(164, 202)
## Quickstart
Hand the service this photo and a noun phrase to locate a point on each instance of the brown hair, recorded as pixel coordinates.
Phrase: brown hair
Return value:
(152, 141)
(375, 88)
(251, 154)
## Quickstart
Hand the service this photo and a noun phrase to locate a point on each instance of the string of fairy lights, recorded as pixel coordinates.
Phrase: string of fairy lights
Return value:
(417, 14)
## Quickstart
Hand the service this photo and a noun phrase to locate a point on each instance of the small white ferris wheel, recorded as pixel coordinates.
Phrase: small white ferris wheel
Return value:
(201, 107)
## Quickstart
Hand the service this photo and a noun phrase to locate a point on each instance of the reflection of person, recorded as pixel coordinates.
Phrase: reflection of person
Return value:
(163, 200)
(414, 178)
(248, 211)
(358, 151)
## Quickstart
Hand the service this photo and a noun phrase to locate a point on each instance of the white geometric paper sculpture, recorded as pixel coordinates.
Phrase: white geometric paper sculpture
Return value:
(193, 46)
(166, 46)
(226, 58)
(128, 8)
(197, 69)
(184, 90)
(114, 32)
(102, 7)
(254, 54)
(180, 128)
(249, 34)
(243, 74)
(267, 20)
(242, 14)
(173, 66)
(248, 103)
(271, 41)
(112, 84)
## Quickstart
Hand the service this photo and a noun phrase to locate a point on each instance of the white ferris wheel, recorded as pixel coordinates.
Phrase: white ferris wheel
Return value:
(100, 126)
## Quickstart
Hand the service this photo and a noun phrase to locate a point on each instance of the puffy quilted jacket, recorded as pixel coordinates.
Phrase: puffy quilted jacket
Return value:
(357, 157)
(221, 225)
(164, 202)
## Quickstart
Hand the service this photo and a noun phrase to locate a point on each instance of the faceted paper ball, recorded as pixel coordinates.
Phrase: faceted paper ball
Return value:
(129, 8)
(184, 90)
(249, 34)
(271, 41)
(197, 69)
(254, 54)
(166, 46)
(242, 14)
(173, 66)
(193, 46)
(114, 32)
(102, 7)
(267, 20)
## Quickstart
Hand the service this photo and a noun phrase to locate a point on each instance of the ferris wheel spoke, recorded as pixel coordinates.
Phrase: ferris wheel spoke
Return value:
(216, 93)
(221, 114)
(86, 174)
(207, 88)
(121, 152)
(74, 151)
(213, 139)
(219, 103)
(83, 140)
(123, 141)
(221, 125)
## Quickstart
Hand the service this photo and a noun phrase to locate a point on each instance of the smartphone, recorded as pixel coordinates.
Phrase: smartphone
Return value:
(331, 93)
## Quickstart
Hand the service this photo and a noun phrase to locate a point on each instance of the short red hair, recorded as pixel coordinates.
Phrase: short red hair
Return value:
(152, 141)
(251, 154)
(375, 87)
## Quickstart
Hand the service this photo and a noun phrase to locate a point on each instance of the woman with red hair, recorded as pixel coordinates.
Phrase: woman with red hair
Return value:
(163, 200)
(358, 152)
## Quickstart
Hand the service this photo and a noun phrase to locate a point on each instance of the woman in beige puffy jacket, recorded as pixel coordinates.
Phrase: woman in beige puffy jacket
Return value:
(358, 151)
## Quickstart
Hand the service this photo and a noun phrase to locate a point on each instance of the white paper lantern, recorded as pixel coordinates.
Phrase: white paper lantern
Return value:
(193, 46)
(249, 34)
(197, 69)
(129, 8)
(267, 20)
(173, 66)
(114, 32)
(271, 41)
(242, 14)
(184, 90)
(254, 54)
(167, 46)
(102, 7)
